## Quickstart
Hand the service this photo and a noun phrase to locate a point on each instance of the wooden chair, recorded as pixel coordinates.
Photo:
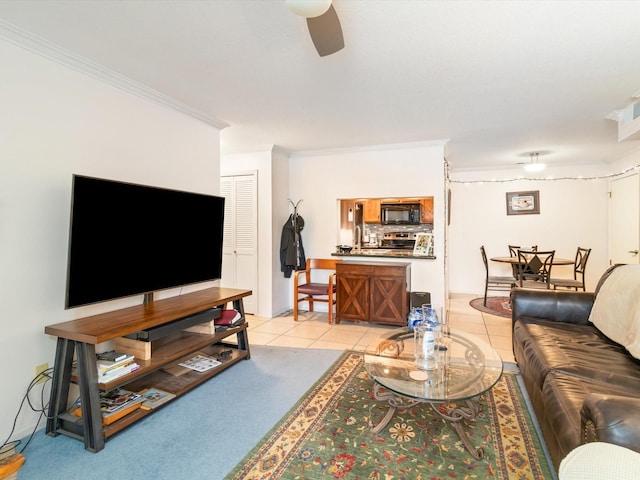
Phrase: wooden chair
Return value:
(493, 282)
(314, 289)
(534, 268)
(579, 267)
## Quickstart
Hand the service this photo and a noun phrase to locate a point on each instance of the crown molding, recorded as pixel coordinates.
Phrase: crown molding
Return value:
(21, 38)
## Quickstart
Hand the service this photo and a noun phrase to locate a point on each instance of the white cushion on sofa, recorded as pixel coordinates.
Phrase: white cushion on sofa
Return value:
(600, 461)
(616, 310)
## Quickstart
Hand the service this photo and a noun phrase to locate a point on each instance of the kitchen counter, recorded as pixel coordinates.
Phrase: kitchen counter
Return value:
(384, 253)
(373, 291)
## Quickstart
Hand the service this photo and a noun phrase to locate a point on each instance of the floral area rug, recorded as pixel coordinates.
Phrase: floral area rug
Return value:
(500, 306)
(327, 435)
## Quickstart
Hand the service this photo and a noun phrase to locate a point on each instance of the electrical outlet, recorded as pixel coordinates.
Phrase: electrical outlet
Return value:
(39, 369)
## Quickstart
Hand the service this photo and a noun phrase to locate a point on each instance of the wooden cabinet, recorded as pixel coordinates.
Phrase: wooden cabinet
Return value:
(402, 200)
(373, 291)
(79, 337)
(426, 210)
(371, 213)
(371, 207)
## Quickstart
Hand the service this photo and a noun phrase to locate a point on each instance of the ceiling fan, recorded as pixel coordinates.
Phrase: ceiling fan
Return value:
(323, 23)
(533, 165)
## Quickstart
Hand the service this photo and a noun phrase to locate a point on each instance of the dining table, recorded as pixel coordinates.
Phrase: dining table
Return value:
(515, 260)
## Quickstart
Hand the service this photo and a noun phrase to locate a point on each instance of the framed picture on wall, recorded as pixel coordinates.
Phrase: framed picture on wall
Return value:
(523, 203)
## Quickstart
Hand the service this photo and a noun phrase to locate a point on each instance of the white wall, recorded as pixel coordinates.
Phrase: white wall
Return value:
(626, 163)
(386, 171)
(272, 167)
(56, 122)
(572, 213)
(281, 210)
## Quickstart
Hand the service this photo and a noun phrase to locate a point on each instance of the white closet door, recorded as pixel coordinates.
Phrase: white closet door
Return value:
(624, 220)
(240, 247)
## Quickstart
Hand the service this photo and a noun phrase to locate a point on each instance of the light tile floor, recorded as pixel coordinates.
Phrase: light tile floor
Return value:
(312, 330)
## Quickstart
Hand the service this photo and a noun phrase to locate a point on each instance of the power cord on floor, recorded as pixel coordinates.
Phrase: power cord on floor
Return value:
(37, 380)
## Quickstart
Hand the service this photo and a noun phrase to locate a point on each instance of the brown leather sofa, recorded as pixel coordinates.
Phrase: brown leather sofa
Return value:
(583, 386)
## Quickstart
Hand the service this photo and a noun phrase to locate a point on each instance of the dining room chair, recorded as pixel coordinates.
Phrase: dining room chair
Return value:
(494, 282)
(579, 267)
(534, 268)
(513, 249)
(513, 252)
(312, 289)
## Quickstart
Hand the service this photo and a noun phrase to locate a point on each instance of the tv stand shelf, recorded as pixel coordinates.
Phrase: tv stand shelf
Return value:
(82, 335)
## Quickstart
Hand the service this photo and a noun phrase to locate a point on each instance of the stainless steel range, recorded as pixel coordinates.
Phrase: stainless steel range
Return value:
(398, 240)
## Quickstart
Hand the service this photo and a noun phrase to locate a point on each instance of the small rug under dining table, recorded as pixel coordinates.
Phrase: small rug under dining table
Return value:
(327, 435)
(500, 306)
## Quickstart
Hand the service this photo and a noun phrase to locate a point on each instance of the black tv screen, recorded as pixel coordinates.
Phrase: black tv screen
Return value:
(127, 239)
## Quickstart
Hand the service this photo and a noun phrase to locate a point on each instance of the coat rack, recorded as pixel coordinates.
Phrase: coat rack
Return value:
(296, 237)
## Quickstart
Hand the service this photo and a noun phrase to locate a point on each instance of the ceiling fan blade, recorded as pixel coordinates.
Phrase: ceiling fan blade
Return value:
(326, 32)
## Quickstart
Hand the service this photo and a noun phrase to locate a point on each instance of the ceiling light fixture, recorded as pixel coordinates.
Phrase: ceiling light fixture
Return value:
(308, 8)
(534, 165)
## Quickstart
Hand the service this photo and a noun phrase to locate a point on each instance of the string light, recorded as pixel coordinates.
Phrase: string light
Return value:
(547, 179)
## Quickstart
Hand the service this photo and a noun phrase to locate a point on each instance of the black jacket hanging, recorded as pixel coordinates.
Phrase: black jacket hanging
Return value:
(288, 251)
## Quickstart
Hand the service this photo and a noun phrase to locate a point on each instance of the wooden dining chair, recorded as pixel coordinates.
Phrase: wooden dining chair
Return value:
(494, 282)
(534, 268)
(579, 267)
(312, 288)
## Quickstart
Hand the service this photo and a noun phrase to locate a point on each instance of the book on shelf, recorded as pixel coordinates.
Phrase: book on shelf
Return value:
(154, 397)
(117, 399)
(105, 366)
(109, 419)
(200, 363)
(111, 357)
(114, 405)
(117, 372)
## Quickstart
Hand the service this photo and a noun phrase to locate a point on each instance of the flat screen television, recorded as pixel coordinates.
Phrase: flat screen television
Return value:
(127, 239)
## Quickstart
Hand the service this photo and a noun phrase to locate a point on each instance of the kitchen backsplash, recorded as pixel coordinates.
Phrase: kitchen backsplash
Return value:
(377, 230)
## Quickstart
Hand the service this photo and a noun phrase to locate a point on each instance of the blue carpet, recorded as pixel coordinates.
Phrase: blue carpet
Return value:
(201, 436)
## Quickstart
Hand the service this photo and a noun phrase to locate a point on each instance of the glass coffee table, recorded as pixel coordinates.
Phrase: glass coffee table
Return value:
(466, 368)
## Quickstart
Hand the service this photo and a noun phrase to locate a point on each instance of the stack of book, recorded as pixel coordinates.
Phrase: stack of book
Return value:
(112, 365)
(114, 405)
(118, 403)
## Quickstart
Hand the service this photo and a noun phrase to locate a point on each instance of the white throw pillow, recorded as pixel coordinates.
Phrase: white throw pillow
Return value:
(616, 310)
(600, 461)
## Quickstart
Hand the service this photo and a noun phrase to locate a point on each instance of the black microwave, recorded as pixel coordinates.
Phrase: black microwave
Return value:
(400, 213)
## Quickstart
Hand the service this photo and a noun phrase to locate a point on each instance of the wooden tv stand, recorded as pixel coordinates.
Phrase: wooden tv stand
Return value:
(82, 335)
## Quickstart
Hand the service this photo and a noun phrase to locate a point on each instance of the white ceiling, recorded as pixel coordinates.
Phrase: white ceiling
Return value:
(498, 79)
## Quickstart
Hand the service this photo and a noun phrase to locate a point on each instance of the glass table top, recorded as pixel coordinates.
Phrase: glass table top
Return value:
(466, 366)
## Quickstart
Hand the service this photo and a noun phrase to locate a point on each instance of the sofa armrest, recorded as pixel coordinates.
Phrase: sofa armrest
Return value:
(611, 418)
(555, 305)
